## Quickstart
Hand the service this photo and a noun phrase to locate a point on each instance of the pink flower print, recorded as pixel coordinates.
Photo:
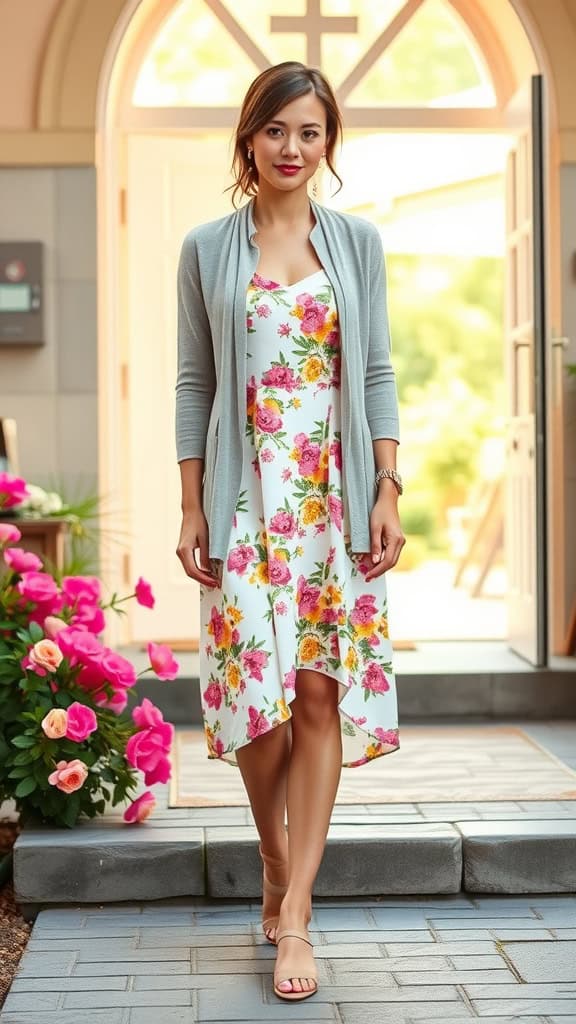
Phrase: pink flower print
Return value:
(257, 725)
(307, 596)
(235, 638)
(255, 661)
(331, 554)
(283, 523)
(278, 571)
(280, 377)
(251, 391)
(218, 746)
(360, 721)
(218, 626)
(364, 610)
(234, 708)
(267, 420)
(309, 461)
(263, 310)
(334, 645)
(266, 455)
(335, 510)
(386, 735)
(249, 322)
(213, 694)
(286, 475)
(374, 640)
(336, 451)
(314, 317)
(290, 680)
(333, 339)
(330, 615)
(374, 679)
(264, 283)
(281, 607)
(240, 558)
(284, 330)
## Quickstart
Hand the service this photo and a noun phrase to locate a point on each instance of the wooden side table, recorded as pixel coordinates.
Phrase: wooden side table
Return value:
(43, 536)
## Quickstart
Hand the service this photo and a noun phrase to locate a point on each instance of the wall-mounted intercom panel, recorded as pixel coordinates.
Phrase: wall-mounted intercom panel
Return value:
(21, 293)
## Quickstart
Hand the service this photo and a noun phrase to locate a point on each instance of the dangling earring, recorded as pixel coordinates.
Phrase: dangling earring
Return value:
(249, 152)
(315, 189)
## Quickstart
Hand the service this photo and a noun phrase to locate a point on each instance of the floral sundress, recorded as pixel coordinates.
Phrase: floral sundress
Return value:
(291, 592)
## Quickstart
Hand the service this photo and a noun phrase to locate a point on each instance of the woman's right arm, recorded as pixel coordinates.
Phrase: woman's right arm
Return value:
(195, 387)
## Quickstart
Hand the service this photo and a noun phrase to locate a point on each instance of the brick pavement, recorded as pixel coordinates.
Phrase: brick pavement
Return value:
(404, 959)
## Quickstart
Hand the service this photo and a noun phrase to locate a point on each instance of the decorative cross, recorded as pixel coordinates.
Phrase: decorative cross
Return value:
(313, 24)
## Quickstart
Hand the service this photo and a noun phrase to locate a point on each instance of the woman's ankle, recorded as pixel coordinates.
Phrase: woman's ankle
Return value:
(296, 908)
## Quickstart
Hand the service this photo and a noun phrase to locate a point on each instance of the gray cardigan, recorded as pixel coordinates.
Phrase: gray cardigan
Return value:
(216, 264)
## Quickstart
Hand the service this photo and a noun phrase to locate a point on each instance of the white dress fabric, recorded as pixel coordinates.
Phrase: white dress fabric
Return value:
(292, 595)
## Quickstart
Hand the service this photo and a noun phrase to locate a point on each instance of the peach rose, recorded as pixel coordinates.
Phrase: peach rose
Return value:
(55, 723)
(46, 654)
(69, 775)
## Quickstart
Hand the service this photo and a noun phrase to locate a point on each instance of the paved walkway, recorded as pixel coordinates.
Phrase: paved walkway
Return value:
(410, 959)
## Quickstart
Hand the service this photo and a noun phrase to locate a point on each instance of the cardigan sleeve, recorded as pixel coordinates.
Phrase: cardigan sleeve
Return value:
(381, 400)
(196, 375)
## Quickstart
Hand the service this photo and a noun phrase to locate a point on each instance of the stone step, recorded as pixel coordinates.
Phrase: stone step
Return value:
(107, 861)
(533, 693)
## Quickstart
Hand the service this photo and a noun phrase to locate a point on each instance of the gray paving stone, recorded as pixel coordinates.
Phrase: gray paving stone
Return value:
(170, 1015)
(100, 1000)
(522, 1007)
(551, 990)
(73, 983)
(448, 948)
(96, 956)
(107, 864)
(377, 935)
(19, 1001)
(63, 1017)
(501, 933)
(359, 1013)
(499, 976)
(423, 857)
(226, 979)
(480, 921)
(131, 969)
(249, 1005)
(519, 856)
(46, 965)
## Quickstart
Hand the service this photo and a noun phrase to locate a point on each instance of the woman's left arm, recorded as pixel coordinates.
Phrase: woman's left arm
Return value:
(386, 537)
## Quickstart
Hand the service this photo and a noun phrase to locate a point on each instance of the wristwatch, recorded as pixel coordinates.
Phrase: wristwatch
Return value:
(393, 475)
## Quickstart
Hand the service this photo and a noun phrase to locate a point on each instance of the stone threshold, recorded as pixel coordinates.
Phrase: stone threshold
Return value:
(212, 852)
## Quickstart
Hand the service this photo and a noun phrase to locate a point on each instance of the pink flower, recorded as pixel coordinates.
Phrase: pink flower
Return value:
(9, 534)
(144, 595)
(217, 626)
(13, 490)
(91, 676)
(53, 625)
(386, 735)
(46, 654)
(265, 283)
(81, 588)
(309, 458)
(335, 510)
(55, 723)
(81, 722)
(280, 377)
(284, 330)
(374, 679)
(37, 586)
(69, 775)
(118, 670)
(266, 455)
(364, 610)
(257, 724)
(281, 607)
(267, 420)
(116, 703)
(163, 661)
(284, 523)
(314, 316)
(240, 558)
(249, 322)
(78, 645)
(254, 662)
(278, 571)
(263, 310)
(22, 561)
(146, 750)
(88, 616)
(146, 715)
(213, 694)
(307, 596)
(27, 663)
(290, 680)
(140, 809)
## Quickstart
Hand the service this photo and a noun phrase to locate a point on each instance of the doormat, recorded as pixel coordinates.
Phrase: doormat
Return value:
(435, 763)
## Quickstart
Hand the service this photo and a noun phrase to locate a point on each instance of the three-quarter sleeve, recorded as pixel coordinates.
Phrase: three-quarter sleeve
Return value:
(196, 375)
(381, 400)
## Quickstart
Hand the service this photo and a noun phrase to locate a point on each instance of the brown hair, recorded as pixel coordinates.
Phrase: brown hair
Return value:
(271, 90)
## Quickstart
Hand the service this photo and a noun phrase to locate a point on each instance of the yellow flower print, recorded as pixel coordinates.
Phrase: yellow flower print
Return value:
(233, 675)
(312, 509)
(383, 627)
(373, 749)
(312, 368)
(299, 551)
(280, 553)
(297, 311)
(351, 660)
(295, 455)
(260, 574)
(295, 403)
(283, 709)
(309, 648)
(365, 628)
(210, 740)
(332, 595)
(326, 328)
(234, 614)
(272, 404)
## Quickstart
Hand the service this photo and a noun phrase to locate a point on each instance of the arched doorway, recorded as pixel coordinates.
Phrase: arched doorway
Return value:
(166, 158)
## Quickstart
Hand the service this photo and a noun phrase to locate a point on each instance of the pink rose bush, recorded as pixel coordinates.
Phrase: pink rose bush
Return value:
(68, 747)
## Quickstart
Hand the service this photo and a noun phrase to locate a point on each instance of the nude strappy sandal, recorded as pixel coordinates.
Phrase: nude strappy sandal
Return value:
(271, 888)
(296, 970)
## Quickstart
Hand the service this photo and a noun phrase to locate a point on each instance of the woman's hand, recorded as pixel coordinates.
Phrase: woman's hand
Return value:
(387, 539)
(194, 534)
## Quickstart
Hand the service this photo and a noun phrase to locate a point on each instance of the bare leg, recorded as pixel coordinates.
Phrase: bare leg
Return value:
(263, 764)
(313, 776)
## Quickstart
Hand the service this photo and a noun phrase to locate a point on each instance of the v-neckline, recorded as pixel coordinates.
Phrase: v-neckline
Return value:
(286, 287)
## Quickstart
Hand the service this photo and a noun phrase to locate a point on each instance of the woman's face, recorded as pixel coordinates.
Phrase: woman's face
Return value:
(288, 148)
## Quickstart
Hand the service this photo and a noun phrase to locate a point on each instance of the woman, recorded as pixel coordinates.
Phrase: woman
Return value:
(285, 410)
